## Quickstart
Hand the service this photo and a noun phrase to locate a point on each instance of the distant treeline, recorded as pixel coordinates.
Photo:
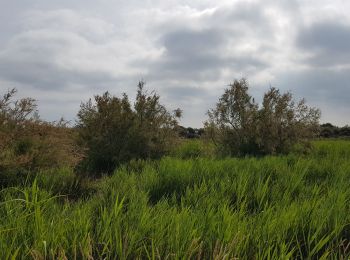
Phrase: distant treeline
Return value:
(190, 133)
(327, 130)
(331, 131)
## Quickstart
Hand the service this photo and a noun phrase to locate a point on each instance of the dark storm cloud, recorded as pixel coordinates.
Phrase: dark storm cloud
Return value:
(328, 42)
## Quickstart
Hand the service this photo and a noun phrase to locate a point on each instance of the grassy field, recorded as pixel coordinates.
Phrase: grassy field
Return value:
(188, 206)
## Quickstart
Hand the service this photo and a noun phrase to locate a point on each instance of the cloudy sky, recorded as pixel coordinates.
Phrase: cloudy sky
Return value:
(62, 52)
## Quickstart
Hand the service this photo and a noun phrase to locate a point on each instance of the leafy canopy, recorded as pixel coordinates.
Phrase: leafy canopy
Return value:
(239, 126)
(114, 132)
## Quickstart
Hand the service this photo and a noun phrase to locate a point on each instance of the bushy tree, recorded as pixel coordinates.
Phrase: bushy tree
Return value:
(14, 120)
(232, 123)
(154, 123)
(28, 143)
(114, 132)
(239, 126)
(104, 129)
(285, 122)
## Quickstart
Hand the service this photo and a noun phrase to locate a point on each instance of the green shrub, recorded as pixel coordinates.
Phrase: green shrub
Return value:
(114, 133)
(28, 144)
(238, 126)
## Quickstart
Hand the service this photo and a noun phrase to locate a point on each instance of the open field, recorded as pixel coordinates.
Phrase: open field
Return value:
(273, 207)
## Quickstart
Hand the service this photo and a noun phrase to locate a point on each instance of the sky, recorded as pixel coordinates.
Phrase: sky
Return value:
(63, 52)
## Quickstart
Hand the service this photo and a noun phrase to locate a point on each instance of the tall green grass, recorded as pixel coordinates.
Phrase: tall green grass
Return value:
(283, 207)
(194, 148)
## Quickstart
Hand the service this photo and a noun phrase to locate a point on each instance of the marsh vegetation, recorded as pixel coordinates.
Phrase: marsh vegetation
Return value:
(122, 184)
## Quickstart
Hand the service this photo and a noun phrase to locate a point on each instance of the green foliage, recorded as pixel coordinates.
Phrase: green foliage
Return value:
(330, 131)
(275, 207)
(114, 133)
(238, 126)
(193, 148)
(232, 124)
(284, 122)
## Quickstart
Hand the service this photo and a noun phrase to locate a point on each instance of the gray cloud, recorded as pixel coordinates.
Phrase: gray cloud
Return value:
(326, 89)
(202, 54)
(329, 86)
(34, 58)
(63, 49)
(62, 52)
(186, 93)
(193, 100)
(244, 18)
(190, 54)
(328, 42)
(186, 42)
(327, 36)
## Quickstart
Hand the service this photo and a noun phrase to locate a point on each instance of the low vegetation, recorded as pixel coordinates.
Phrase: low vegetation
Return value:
(273, 207)
(127, 182)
